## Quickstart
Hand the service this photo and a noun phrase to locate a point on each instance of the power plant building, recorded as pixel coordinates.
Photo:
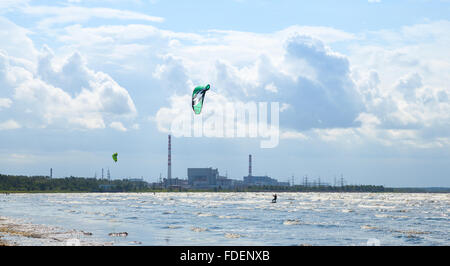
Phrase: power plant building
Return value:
(260, 181)
(209, 178)
(224, 182)
(252, 180)
(203, 177)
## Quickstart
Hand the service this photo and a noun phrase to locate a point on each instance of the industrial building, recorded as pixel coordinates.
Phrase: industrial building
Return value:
(175, 183)
(209, 178)
(260, 181)
(224, 182)
(252, 180)
(202, 177)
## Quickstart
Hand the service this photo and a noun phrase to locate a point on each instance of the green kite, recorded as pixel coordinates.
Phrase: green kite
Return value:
(198, 95)
(114, 156)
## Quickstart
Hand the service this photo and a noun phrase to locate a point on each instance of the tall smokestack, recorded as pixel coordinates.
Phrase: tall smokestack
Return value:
(249, 165)
(169, 162)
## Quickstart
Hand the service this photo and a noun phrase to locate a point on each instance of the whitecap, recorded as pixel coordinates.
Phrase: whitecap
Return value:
(291, 222)
(205, 214)
(368, 227)
(198, 229)
(232, 235)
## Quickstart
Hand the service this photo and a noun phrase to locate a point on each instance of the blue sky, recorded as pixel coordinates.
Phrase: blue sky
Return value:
(83, 79)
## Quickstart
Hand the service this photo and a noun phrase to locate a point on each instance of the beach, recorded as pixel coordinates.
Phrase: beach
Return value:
(16, 232)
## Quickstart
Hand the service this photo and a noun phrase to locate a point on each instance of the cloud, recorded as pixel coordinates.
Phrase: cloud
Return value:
(324, 89)
(400, 78)
(68, 96)
(395, 76)
(5, 103)
(15, 41)
(330, 96)
(9, 125)
(271, 87)
(293, 135)
(118, 126)
(9, 5)
(75, 14)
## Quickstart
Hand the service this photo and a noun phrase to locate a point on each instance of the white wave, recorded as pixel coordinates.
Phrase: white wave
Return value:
(230, 217)
(200, 214)
(232, 235)
(199, 229)
(291, 222)
(173, 226)
(368, 227)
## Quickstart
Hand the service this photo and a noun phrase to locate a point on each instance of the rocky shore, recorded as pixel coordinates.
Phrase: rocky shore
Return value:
(15, 232)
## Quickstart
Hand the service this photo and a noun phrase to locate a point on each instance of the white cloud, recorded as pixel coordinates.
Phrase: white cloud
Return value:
(271, 87)
(8, 5)
(73, 14)
(388, 81)
(118, 126)
(5, 103)
(284, 107)
(69, 96)
(15, 41)
(405, 102)
(9, 125)
(293, 135)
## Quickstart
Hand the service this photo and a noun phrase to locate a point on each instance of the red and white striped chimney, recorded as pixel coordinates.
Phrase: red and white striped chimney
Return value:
(169, 162)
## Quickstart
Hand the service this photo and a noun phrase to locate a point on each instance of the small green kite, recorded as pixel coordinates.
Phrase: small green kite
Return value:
(198, 95)
(114, 156)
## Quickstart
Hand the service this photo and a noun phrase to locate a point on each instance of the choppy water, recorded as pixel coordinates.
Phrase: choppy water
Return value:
(240, 218)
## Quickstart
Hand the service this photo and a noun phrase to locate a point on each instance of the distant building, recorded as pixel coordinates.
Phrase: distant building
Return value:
(260, 181)
(202, 178)
(224, 183)
(237, 183)
(175, 183)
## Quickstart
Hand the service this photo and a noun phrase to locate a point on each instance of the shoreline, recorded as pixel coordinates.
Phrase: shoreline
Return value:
(223, 191)
(17, 232)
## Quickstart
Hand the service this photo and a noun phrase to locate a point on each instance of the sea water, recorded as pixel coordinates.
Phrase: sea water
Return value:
(237, 218)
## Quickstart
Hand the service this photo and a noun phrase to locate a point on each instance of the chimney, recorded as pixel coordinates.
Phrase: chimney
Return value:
(249, 165)
(169, 162)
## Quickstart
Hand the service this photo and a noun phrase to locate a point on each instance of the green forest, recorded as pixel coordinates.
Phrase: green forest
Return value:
(13, 183)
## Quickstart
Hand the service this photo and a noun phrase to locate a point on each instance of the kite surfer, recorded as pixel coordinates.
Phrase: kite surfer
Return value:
(274, 200)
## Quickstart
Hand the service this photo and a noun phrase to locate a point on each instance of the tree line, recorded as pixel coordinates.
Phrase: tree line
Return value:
(14, 183)
(21, 183)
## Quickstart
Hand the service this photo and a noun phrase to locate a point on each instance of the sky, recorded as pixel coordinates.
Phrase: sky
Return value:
(363, 87)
